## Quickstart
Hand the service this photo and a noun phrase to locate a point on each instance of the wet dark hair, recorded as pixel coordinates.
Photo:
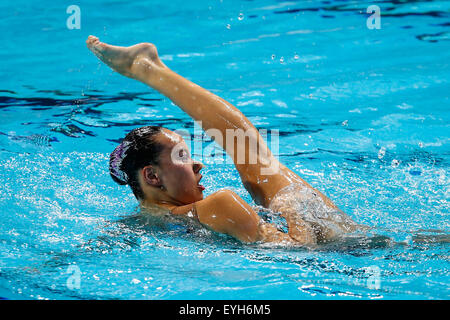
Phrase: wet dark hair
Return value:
(137, 150)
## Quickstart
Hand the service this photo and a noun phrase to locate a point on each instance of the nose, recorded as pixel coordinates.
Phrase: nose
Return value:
(197, 166)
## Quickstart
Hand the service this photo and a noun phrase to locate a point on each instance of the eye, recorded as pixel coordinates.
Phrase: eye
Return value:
(183, 154)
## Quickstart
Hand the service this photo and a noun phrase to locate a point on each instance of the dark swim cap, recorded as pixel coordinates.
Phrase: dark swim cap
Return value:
(137, 150)
(115, 163)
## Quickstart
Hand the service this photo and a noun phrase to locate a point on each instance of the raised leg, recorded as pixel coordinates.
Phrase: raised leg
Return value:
(262, 179)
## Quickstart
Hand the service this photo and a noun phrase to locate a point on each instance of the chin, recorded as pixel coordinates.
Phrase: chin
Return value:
(197, 198)
(193, 199)
(195, 194)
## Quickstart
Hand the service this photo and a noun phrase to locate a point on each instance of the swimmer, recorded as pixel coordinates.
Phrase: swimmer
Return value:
(145, 161)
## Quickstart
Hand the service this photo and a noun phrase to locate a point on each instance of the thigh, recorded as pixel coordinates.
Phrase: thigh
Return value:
(263, 182)
(297, 201)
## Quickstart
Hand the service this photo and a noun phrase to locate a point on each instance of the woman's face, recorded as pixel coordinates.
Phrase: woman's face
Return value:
(178, 173)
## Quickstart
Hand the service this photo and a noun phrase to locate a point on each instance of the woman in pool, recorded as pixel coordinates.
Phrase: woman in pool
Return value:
(156, 164)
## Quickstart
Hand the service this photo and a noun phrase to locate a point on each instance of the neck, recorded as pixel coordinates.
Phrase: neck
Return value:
(159, 200)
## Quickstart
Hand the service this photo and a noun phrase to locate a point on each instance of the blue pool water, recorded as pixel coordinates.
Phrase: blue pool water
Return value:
(363, 116)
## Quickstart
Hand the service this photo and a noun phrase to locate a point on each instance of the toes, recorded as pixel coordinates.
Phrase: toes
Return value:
(95, 45)
(92, 40)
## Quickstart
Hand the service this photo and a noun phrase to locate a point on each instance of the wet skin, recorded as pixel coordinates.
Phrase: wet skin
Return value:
(223, 211)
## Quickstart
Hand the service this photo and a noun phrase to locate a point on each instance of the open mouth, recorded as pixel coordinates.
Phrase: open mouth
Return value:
(201, 187)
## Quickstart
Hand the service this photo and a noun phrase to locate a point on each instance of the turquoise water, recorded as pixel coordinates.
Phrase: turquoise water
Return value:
(363, 116)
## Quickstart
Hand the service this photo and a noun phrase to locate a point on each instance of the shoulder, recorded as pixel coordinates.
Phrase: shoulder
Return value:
(211, 201)
(225, 212)
(228, 213)
(220, 200)
(222, 194)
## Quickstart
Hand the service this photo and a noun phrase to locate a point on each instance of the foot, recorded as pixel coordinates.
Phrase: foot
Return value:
(134, 62)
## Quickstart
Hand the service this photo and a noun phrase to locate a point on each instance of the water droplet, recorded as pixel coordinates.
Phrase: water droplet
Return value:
(408, 240)
(395, 163)
(241, 16)
(381, 153)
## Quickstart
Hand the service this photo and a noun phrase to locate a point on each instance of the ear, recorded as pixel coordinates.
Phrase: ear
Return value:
(151, 177)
